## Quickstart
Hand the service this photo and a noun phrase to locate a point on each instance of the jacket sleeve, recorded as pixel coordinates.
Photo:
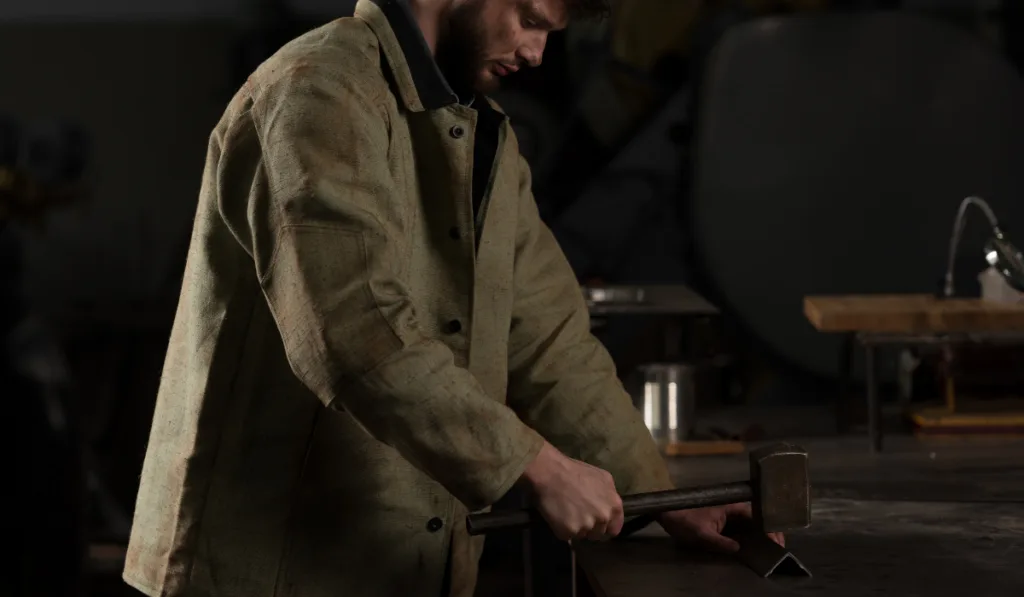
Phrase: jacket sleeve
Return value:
(328, 241)
(562, 381)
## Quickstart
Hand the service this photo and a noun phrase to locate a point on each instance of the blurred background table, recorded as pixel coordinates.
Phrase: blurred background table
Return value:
(913, 320)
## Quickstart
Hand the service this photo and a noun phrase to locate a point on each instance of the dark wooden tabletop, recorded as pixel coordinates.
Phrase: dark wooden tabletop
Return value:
(928, 519)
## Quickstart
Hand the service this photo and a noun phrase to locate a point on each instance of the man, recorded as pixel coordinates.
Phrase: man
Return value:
(368, 279)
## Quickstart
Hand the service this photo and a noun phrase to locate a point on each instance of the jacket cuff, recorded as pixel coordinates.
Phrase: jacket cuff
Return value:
(529, 446)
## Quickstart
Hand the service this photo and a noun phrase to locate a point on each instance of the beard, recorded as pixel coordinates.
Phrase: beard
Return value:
(460, 51)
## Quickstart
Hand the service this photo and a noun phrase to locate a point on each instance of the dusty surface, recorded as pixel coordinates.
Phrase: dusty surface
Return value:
(854, 548)
(942, 518)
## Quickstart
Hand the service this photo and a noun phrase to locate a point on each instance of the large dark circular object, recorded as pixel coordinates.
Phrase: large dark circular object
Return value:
(832, 153)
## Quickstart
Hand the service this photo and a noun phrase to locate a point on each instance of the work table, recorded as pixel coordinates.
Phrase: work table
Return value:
(907, 321)
(911, 314)
(853, 549)
(929, 519)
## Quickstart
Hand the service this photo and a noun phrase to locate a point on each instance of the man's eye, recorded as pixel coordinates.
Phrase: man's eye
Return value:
(529, 23)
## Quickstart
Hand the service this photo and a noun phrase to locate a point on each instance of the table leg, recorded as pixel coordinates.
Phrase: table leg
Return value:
(580, 583)
(845, 374)
(949, 389)
(874, 407)
(673, 336)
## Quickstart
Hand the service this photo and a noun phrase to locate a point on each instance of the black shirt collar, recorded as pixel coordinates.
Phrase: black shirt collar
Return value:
(431, 87)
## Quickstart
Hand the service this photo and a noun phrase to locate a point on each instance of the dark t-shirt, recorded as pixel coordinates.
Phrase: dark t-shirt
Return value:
(485, 148)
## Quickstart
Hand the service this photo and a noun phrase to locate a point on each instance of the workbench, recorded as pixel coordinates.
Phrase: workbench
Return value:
(902, 321)
(932, 519)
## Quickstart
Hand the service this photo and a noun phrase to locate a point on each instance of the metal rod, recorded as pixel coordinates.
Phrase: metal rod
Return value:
(949, 387)
(874, 408)
(632, 505)
(958, 229)
(845, 380)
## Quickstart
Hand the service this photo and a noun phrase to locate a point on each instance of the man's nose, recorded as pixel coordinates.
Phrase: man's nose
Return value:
(532, 52)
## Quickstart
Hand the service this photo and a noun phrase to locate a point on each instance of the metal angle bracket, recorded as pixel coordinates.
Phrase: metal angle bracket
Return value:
(767, 558)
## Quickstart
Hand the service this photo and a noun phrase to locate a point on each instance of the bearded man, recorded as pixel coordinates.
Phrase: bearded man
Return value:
(376, 333)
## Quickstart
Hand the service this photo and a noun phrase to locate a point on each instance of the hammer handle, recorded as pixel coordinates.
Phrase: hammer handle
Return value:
(632, 505)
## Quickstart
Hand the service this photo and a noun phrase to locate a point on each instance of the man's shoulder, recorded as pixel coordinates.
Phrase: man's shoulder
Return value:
(344, 52)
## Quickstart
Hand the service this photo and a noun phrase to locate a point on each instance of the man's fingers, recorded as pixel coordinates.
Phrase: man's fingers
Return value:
(598, 532)
(739, 510)
(715, 542)
(616, 521)
(562, 533)
(615, 526)
(778, 538)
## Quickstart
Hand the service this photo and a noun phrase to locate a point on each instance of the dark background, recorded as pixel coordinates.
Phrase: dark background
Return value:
(147, 81)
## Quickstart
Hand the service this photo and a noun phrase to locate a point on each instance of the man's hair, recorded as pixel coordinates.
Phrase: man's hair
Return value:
(589, 9)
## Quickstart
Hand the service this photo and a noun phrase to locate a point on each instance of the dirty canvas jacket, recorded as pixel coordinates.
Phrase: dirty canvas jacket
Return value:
(333, 401)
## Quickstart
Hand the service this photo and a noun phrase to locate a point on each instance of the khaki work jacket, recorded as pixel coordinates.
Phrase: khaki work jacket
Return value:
(333, 400)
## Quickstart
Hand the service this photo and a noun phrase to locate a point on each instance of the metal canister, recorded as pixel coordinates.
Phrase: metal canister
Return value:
(667, 400)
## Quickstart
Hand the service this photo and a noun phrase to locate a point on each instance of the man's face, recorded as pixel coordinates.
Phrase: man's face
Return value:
(486, 40)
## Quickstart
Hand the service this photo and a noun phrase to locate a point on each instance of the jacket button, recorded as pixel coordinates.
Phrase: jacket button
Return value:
(455, 233)
(456, 132)
(454, 326)
(434, 525)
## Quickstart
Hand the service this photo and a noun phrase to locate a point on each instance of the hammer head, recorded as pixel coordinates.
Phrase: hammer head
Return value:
(781, 488)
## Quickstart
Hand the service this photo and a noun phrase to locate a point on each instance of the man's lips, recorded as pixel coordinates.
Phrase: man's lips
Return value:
(505, 69)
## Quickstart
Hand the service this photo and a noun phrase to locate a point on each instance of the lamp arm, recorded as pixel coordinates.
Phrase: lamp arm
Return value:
(958, 230)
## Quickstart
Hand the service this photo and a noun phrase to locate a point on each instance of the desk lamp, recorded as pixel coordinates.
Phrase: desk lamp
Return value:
(1000, 253)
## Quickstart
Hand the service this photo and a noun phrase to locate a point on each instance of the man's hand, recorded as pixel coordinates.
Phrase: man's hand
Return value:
(577, 500)
(702, 527)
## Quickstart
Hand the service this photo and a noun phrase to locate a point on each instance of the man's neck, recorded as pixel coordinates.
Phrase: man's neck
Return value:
(430, 16)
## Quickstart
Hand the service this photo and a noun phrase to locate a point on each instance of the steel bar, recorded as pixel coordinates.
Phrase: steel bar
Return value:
(633, 525)
(632, 505)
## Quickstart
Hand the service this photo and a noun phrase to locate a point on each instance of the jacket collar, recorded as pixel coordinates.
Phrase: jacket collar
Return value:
(420, 82)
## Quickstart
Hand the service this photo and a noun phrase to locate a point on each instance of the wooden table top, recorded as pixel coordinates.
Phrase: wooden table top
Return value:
(911, 314)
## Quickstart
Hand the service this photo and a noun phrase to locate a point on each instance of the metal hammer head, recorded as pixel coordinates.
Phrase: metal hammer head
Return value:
(781, 487)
